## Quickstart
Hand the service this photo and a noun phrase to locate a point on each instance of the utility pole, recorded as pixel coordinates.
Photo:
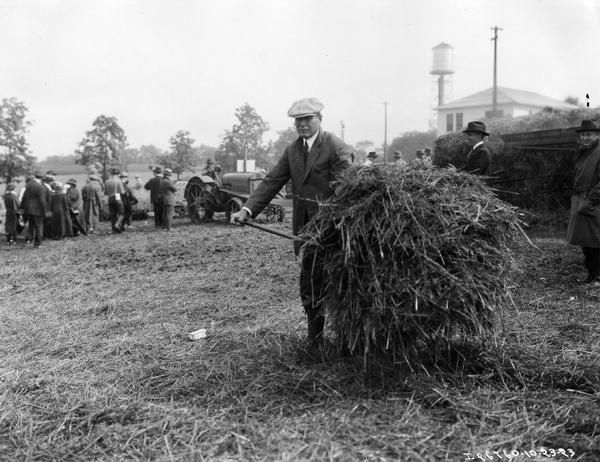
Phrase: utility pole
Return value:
(385, 105)
(245, 154)
(495, 89)
(343, 126)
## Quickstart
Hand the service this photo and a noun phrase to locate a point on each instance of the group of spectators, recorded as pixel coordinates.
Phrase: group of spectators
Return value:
(51, 209)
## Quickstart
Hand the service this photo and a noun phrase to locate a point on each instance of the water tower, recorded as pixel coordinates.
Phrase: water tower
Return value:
(443, 64)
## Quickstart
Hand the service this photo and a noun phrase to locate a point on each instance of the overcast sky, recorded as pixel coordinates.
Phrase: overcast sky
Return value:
(160, 66)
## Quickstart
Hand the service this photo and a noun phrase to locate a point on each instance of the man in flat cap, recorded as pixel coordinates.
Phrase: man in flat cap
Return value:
(312, 162)
(584, 219)
(478, 158)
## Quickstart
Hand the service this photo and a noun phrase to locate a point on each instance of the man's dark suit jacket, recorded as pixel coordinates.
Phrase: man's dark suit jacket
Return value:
(311, 182)
(153, 185)
(478, 160)
(168, 191)
(34, 200)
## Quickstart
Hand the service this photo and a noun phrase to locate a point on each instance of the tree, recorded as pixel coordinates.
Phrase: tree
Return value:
(15, 159)
(572, 100)
(245, 137)
(269, 158)
(149, 154)
(102, 144)
(182, 154)
(409, 142)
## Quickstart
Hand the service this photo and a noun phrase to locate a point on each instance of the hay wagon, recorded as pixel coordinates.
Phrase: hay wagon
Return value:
(206, 196)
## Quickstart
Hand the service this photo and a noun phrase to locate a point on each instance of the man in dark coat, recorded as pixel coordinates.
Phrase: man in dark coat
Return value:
(61, 207)
(153, 185)
(129, 200)
(479, 157)
(11, 205)
(584, 219)
(168, 193)
(48, 181)
(36, 208)
(312, 162)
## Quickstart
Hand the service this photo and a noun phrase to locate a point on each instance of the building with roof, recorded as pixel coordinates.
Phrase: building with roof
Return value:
(454, 115)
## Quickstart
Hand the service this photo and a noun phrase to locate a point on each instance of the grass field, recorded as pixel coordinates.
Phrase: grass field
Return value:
(96, 363)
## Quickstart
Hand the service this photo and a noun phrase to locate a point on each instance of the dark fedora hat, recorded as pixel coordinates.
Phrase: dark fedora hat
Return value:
(476, 127)
(588, 126)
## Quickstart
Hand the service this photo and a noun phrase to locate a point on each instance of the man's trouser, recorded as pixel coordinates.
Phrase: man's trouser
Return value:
(35, 229)
(158, 213)
(592, 262)
(116, 212)
(167, 218)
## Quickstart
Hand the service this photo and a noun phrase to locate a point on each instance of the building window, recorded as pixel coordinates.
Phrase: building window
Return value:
(449, 122)
(459, 120)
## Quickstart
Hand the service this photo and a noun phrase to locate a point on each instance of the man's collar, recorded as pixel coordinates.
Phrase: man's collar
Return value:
(310, 141)
(477, 145)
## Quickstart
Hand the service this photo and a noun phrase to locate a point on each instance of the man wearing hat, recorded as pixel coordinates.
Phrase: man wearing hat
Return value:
(11, 205)
(74, 195)
(36, 208)
(584, 218)
(48, 181)
(129, 200)
(167, 190)
(312, 162)
(153, 185)
(90, 195)
(371, 158)
(114, 189)
(397, 157)
(479, 157)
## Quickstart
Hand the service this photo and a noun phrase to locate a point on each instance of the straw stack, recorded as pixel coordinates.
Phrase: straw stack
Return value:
(421, 254)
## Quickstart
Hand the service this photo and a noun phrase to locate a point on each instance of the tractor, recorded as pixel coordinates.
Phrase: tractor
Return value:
(205, 196)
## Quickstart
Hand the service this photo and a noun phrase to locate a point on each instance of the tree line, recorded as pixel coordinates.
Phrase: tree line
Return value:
(105, 145)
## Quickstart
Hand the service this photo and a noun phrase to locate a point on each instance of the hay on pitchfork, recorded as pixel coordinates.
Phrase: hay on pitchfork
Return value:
(421, 254)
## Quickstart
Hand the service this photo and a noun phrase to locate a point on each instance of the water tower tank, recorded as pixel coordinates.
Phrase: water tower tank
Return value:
(443, 59)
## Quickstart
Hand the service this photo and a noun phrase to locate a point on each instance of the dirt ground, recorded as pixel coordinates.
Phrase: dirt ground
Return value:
(97, 364)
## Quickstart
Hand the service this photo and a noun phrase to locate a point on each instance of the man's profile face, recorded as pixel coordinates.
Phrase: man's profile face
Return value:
(588, 138)
(307, 126)
(474, 137)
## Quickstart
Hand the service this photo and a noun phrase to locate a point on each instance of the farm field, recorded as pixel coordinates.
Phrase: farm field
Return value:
(97, 364)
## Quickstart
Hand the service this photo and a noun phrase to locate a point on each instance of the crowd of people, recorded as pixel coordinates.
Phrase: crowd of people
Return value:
(49, 209)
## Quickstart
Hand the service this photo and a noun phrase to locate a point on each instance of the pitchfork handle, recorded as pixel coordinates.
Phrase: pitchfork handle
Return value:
(269, 230)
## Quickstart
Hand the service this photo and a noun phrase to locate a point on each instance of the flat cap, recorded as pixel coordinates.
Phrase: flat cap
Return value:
(157, 169)
(38, 173)
(72, 181)
(305, 107)
(167, 171)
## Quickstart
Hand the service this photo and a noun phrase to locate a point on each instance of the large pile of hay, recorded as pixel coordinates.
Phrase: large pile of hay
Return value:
(421, 255)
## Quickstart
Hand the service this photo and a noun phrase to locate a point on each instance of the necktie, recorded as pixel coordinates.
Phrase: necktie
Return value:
(305, 152)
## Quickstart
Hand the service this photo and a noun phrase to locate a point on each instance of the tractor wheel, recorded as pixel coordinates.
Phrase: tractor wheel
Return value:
(234, 205)
(199, 200)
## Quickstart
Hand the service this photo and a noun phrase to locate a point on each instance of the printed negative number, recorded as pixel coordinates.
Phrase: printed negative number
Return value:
(511, 454)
